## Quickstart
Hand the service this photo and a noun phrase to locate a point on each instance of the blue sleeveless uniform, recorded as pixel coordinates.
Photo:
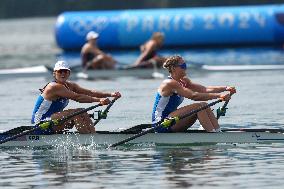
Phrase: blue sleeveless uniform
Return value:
(43, 110)
(163, 106)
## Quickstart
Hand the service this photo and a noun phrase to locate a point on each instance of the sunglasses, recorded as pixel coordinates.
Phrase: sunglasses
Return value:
(63, 71)
(182, 66)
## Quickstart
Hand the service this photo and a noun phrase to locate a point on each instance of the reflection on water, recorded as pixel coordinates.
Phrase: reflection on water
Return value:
(222, 166)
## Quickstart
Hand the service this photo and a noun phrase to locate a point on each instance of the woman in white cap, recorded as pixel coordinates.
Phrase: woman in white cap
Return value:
(92, 57)
(178, 86)
(55, 96)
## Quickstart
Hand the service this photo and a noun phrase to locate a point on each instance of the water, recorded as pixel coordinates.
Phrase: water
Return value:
(258, 104)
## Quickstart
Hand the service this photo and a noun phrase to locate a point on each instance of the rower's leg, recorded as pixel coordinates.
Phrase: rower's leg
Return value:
(184, 124)
(67, 125)
(202, 116)
(97, 63)
(213, 119)
(205, 121)
(82, 122)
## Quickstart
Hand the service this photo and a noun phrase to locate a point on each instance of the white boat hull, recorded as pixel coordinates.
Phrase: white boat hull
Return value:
(37, 71)
(157, 138)
(77, 73)
(241, 67)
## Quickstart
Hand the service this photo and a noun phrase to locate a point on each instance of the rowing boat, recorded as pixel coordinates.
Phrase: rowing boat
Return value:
(22, 72)
(188, 138)
(78, 73)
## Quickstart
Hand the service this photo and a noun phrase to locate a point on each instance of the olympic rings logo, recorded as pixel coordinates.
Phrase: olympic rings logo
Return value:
(82, 26)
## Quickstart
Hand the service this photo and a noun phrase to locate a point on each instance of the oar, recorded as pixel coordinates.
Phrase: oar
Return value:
(47, 124)
(103, 114)
(222, 111)
(165, 123)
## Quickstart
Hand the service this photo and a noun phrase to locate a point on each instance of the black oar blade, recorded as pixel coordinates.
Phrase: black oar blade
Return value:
(48, 124)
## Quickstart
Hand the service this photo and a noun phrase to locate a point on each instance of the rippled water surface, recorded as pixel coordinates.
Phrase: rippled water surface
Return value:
(258, 104)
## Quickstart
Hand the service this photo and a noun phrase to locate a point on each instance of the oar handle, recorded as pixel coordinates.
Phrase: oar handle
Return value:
(110, 105)
(223, 109)
(105, 111)
(165, 123)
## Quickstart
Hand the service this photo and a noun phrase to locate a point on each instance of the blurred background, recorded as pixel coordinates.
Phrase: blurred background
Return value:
(27, 32)
(45, 8)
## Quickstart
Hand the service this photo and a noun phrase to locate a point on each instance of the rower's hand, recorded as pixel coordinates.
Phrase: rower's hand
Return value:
(116, 95)
(231, 89)
(225, 97)
(104, 101)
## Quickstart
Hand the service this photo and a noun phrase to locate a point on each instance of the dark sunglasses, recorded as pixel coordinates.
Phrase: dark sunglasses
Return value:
(182, 66)
(63, 71)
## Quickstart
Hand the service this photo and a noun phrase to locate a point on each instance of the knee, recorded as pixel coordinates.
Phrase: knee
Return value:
(100, 57)
(201, 104)
(57, 115)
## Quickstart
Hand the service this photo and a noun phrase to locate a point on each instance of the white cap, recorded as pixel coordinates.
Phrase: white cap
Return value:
(92, 35)
(61, 65)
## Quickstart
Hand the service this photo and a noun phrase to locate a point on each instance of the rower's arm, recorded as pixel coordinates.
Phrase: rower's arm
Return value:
(147, 50)
(206, 89)
(61, 91)
(78, 89)
(194, 95)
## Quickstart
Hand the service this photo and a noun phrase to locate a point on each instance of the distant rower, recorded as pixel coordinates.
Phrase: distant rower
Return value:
(54, 98)
(149, 57)
(178, 86)
(92, 57)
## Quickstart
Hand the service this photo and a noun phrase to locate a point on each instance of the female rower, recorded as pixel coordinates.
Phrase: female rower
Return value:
(149, 57)
(92, 57)
(172, 92)
(55, 96)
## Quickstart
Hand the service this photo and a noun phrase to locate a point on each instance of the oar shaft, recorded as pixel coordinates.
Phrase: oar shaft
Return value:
(78, 113)
(160, 124)
(132, 137)
(199, 109)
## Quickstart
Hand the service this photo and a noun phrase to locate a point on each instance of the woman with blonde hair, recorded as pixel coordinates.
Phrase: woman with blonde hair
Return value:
(149, 57)
(178, 86)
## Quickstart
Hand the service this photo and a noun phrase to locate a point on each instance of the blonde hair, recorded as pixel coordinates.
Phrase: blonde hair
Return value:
(158, 36)
(172, 61)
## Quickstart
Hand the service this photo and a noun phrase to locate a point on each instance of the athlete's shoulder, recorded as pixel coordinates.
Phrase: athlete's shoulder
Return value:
(170, 82)
(53, 86)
